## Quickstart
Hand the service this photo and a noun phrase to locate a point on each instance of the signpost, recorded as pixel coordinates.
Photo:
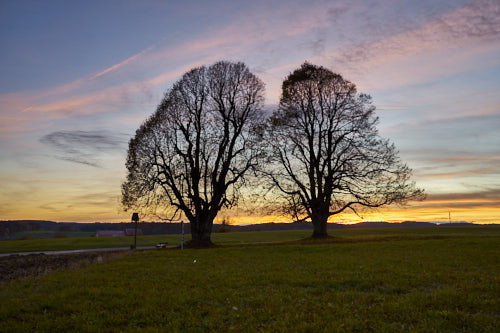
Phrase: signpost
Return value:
(135, 218)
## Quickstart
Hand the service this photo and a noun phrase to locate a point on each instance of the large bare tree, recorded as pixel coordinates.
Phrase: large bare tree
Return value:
(190, 158)
(327, 153)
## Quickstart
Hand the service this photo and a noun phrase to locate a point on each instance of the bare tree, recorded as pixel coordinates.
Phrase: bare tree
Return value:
(327, 153)
(191, 157)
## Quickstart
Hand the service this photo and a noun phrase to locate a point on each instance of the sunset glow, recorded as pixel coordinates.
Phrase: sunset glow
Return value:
(78, 78)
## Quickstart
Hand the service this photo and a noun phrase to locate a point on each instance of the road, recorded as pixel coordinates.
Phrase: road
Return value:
(84, 250)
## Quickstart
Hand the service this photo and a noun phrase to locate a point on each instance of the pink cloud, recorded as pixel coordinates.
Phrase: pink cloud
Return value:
(476, 25)
(21, 115)
(109, 98)
(94, 93)
(458, 174)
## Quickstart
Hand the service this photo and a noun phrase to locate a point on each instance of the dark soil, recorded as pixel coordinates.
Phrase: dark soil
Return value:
(35, 265)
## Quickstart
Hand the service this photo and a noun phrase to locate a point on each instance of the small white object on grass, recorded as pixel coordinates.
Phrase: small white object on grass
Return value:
(194, 261)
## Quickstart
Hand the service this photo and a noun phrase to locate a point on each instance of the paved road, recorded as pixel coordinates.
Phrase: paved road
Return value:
(83, 250)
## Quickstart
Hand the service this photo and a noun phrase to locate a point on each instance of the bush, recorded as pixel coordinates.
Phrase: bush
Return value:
(60, 235)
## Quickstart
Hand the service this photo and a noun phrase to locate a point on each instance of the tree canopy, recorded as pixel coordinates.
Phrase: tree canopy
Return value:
(191, 157)
(320, 149)
(327, 155)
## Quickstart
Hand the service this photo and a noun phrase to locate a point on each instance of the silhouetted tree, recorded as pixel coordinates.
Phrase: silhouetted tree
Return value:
(328, 152)
(190, 158)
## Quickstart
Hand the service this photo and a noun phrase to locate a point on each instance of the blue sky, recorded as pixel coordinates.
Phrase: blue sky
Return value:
(77, 79)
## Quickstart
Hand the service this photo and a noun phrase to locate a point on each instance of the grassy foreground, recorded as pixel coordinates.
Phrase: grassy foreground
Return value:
(428, 285)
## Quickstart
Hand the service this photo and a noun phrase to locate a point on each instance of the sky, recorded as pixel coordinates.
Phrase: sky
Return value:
(77, 78)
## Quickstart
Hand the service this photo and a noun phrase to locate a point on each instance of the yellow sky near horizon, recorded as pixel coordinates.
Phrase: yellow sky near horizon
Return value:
(418, 211)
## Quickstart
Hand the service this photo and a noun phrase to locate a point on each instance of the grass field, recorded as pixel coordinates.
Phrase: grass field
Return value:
(446, 280)
(54, 244)
(36, 234)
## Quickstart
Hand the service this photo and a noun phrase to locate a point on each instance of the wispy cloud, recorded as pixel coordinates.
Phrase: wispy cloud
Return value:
(135, 94)
(487, 195)
(122, 63)
(488, 117)
(457, 174)
(479, 20)
(136, 78)
(83, 147)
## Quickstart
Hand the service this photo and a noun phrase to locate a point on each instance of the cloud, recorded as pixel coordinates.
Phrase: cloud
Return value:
(122, 63)
(483, 122)
(479, 20)
(88, 201)
(456, 174)
(479, 204)
(268, 36)
(491, 194)
(135, 77)
(317, 45)
(100, 199)
(54, 207)
(18, 115)
(83, 147)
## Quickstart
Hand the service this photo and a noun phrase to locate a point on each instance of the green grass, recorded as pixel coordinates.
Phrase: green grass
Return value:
(54, 244)
(37, 234)
(109, 242)
(447, 284)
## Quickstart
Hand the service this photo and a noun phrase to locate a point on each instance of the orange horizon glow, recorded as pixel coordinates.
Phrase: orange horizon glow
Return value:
(424, 213)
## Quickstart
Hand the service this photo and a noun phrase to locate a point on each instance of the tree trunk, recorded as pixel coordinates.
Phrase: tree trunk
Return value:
(320, 223)
(200, 233)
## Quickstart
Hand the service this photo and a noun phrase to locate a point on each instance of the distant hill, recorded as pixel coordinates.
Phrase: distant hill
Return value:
(8, 229)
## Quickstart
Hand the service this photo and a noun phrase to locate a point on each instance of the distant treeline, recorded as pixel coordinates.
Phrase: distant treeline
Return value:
(155, 228)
